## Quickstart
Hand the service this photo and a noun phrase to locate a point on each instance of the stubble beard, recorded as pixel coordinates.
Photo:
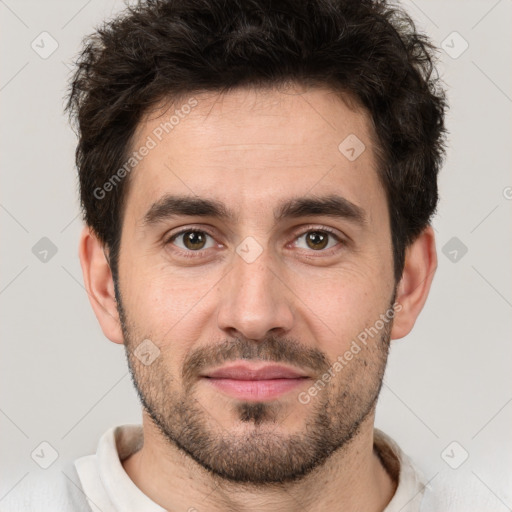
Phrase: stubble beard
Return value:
(256, 451)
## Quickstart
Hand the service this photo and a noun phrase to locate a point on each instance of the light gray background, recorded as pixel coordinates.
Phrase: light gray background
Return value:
(449, 380)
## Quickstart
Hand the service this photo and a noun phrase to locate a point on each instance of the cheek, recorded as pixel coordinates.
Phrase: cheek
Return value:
(342, 303)
(159, 297)
(173, 309)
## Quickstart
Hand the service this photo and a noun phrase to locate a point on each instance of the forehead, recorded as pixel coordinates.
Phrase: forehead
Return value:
(250, 146)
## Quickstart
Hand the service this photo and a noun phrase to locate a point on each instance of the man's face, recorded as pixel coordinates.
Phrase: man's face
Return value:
(264, 286)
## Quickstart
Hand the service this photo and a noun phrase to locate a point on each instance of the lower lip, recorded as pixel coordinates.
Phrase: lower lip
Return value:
(257, 390)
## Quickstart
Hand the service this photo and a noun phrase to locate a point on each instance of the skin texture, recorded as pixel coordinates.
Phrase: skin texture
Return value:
(301, 302)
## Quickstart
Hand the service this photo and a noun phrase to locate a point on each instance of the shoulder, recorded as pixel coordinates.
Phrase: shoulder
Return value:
(457, 492)
(447, 490)
(57, 489)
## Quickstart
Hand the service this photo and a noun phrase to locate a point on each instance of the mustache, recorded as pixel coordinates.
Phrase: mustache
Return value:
(273, 349)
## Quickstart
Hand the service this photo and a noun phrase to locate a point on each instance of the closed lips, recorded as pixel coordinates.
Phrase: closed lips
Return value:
(263, 373)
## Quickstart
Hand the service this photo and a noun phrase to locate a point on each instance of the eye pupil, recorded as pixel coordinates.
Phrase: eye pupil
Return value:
(194, 240)
(318, 239)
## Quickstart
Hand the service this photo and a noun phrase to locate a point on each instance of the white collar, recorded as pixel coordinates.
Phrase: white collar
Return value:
(109, 488)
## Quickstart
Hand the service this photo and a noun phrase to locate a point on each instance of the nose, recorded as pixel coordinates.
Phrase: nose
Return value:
(254, 300)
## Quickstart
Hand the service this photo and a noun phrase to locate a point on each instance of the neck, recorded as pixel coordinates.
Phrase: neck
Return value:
(353, 478)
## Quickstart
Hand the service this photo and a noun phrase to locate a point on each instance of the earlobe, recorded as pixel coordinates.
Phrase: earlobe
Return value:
(99, 284)
(413, 289)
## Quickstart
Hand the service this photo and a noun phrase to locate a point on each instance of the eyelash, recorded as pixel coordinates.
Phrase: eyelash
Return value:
(195, 254)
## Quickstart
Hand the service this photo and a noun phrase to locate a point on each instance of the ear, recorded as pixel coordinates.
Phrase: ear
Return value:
(419, 269)
(99, 284)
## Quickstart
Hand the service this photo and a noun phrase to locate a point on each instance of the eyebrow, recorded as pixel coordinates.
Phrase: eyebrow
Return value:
(335, 206)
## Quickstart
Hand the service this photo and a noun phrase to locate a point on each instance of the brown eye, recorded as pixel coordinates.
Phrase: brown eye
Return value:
(317, 240)
(194, 240)
(191, 240)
